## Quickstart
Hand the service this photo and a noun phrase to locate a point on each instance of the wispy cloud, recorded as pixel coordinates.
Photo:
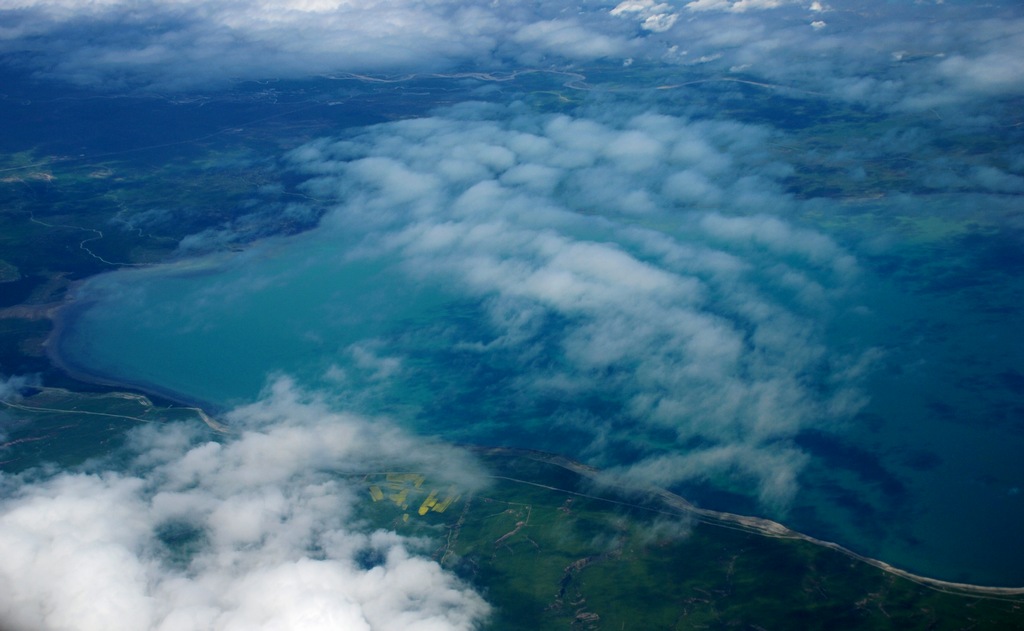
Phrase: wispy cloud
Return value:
(12, 386)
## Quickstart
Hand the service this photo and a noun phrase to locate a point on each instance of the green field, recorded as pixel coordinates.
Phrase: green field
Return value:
(56, 426)
(579, 557)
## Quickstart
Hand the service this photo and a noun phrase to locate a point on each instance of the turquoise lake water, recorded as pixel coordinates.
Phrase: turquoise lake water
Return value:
(925, 476)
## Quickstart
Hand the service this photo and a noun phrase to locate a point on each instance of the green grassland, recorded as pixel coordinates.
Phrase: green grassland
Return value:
(57, 426)
(552, 552)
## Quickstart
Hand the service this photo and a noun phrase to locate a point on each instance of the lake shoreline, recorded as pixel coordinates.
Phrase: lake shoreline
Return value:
(757, 525)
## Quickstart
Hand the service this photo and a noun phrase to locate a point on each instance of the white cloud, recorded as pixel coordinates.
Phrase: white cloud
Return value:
(178, 44)
(567, 38)
(947, 55)
(780, 237)
(654, 16)
(996, 180)
(11, 387)
(994, 73)
(776, 469)
(736, 6)
(706, 328)
(265, 527)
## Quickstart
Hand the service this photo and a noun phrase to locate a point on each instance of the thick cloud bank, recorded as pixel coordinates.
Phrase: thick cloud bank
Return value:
(256, 532)
(644, 261)
(904, 56)
(184, 44)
